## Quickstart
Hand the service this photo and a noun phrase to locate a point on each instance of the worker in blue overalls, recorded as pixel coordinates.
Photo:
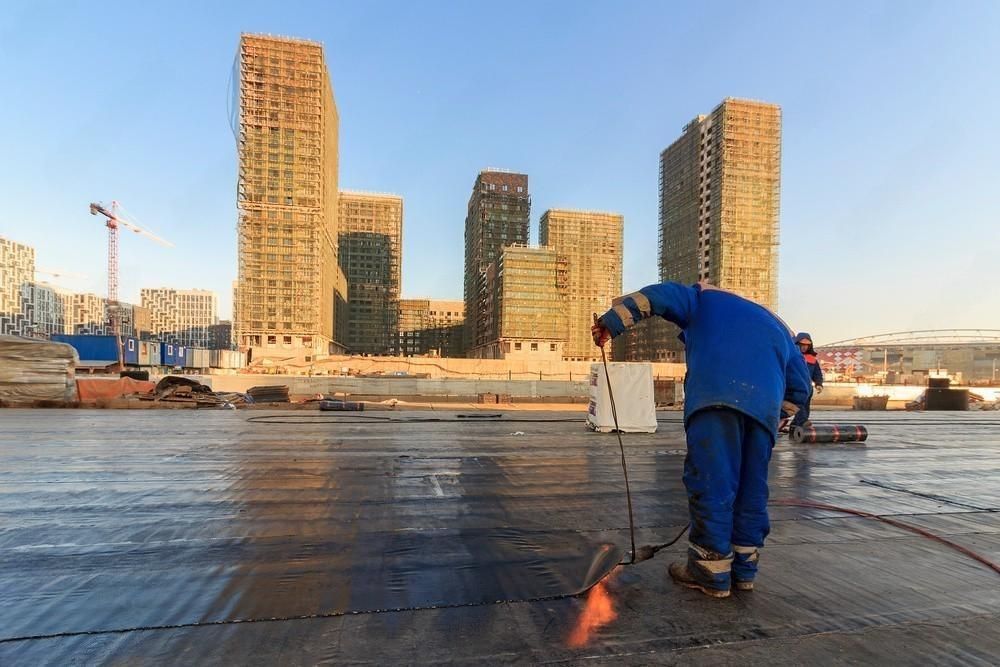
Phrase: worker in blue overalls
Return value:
(743, 368)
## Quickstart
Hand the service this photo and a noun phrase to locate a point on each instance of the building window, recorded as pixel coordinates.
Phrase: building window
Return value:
(517, 346)
(287, 340)
(272, 340)
(534, 347)
(552, 347)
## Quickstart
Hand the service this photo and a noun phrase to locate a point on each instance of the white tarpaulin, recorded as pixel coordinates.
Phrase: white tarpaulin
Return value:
(632, 384)
(36, 370)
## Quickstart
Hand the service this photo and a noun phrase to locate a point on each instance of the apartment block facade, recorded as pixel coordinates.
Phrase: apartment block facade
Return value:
(370, 255)
(181, 317)
(498, 216)
(17, 269)
(720, 186)
(524, 293)
(430, 328)
(292, 293)
(591, 243)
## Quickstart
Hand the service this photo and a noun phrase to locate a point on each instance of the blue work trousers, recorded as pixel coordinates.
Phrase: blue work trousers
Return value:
(802, 416)
(725, 474)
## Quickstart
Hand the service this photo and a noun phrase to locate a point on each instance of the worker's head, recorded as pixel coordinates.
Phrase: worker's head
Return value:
(804, 341)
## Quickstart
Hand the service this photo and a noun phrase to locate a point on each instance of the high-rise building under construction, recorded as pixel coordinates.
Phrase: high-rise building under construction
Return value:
(591, 244)
(720, 188)
(524, 297)
(498, 214)
(371, 234)
(290, 284)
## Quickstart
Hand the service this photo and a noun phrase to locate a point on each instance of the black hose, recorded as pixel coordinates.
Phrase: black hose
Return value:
(621, 447)
(372, 419)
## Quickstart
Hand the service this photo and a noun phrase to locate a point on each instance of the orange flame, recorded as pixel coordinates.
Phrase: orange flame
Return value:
(598, 611)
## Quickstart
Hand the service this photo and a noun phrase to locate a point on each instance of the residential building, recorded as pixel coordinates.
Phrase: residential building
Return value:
(89, 315)
(430, 328)
(719, 202)
(17, 269)
(181, 317)
(292, 294)
(39, 309)
(498, 215)
(524, 289)
(370, 255)
(47, 310)
(591, 242)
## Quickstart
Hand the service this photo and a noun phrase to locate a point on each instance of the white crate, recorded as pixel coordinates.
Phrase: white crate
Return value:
(632, 384)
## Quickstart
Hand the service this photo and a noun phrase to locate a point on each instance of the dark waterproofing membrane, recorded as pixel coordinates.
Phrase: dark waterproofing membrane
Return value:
(392, 542)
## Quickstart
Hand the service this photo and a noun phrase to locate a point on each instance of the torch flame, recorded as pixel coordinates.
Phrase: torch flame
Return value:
(598, 611)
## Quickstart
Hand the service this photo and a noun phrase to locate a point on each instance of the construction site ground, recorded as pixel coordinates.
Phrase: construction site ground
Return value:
(422, 537)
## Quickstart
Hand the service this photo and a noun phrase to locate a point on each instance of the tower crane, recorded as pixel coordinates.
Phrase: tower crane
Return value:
(114, 222)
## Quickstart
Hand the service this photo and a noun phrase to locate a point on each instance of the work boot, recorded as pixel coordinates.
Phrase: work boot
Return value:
(704, 570)
(744, 567)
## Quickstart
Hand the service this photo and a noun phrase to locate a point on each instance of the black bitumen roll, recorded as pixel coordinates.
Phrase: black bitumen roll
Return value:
(829, 433)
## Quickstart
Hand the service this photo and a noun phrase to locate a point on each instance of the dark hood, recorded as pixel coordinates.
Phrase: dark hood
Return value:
(803, 336)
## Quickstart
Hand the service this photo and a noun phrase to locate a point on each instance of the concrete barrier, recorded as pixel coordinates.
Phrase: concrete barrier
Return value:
(402, 387)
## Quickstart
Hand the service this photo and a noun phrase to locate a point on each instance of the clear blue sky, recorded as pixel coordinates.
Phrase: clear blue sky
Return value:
(891, 133)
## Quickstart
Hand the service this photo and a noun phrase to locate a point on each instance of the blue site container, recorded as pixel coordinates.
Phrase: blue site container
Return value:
(91, 348)
(183, 355)
(168, 354)
(130, 351)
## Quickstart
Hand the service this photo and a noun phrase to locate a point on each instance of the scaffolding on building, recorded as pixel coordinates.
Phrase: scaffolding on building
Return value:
(719, 201)
(524, 294)
(591, 244)
(749, 184)
(286, 132)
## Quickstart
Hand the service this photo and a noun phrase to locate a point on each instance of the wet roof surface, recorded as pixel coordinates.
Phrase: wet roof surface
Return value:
(447, 541)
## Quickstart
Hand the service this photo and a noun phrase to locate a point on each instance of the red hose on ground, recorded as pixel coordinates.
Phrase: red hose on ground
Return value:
(787, 502)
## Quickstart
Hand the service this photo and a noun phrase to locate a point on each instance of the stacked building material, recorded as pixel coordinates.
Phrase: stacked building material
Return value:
(33, 370)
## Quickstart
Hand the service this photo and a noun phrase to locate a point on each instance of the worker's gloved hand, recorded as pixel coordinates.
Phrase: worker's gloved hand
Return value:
(600, 334)
(819, 389)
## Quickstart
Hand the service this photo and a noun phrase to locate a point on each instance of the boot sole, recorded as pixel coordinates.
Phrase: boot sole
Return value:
(710, 592)
(746, 586)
